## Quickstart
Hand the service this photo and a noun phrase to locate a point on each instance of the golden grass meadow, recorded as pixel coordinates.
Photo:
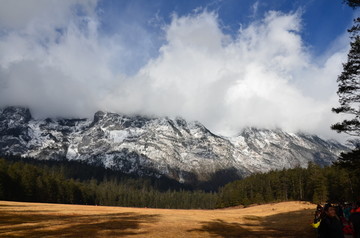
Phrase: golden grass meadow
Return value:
(285, 219)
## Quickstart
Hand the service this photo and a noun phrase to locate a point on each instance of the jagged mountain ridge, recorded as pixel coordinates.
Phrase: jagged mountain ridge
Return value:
(185, 151)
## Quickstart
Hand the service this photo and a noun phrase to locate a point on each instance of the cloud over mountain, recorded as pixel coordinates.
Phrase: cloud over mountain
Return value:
(56, 60)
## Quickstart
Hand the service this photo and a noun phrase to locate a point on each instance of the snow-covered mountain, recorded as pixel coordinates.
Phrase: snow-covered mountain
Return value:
(182, 150)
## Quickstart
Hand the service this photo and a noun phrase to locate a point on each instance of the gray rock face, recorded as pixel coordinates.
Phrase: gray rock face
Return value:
(182, 150)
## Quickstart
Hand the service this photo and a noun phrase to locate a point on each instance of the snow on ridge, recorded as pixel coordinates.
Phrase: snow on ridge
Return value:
(118, 136)
(169, 146)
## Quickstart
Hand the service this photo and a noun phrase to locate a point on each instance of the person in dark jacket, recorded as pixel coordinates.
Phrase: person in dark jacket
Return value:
(330, 225)
(355, 220)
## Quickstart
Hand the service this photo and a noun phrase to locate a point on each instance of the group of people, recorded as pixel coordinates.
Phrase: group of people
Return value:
(337, 221)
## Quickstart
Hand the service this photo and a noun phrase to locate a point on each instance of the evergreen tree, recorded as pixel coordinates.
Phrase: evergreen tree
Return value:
(317, 186)
(349, 87)
(340, 188)
(349, 95)
(4, 180)
(350, 160)
(27, 180)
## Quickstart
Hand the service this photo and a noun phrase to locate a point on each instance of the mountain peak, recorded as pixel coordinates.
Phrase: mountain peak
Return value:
(182, 150)
(20, 114)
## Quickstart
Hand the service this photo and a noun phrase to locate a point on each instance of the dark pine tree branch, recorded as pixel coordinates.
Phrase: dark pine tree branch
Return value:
(352, 3)
(349, 86)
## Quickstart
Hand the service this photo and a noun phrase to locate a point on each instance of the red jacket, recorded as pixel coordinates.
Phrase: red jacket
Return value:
(355, 210)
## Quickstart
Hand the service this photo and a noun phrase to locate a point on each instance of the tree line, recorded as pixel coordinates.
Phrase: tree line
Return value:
(314, 184)
(74, 182)
(31, 180)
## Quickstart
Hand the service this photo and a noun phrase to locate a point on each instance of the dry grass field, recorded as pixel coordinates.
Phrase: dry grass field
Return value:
(286, 219)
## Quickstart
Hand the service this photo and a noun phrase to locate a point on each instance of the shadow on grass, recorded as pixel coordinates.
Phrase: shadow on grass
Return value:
(37, 225)
(8, 205)
(223, 229)
(291, 224)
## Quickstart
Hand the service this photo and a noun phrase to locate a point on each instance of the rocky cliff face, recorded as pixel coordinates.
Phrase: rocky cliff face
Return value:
(185, 151)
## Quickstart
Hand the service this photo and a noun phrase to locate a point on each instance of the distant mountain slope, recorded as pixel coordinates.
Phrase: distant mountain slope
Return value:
(182, 150)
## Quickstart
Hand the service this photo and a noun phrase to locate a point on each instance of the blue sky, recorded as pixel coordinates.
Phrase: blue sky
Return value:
(322, 20)
(228, 64)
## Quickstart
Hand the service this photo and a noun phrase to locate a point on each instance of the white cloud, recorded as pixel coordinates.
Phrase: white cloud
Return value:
(255, 9)
(42, 13)
(262, 77)
(54, 61)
